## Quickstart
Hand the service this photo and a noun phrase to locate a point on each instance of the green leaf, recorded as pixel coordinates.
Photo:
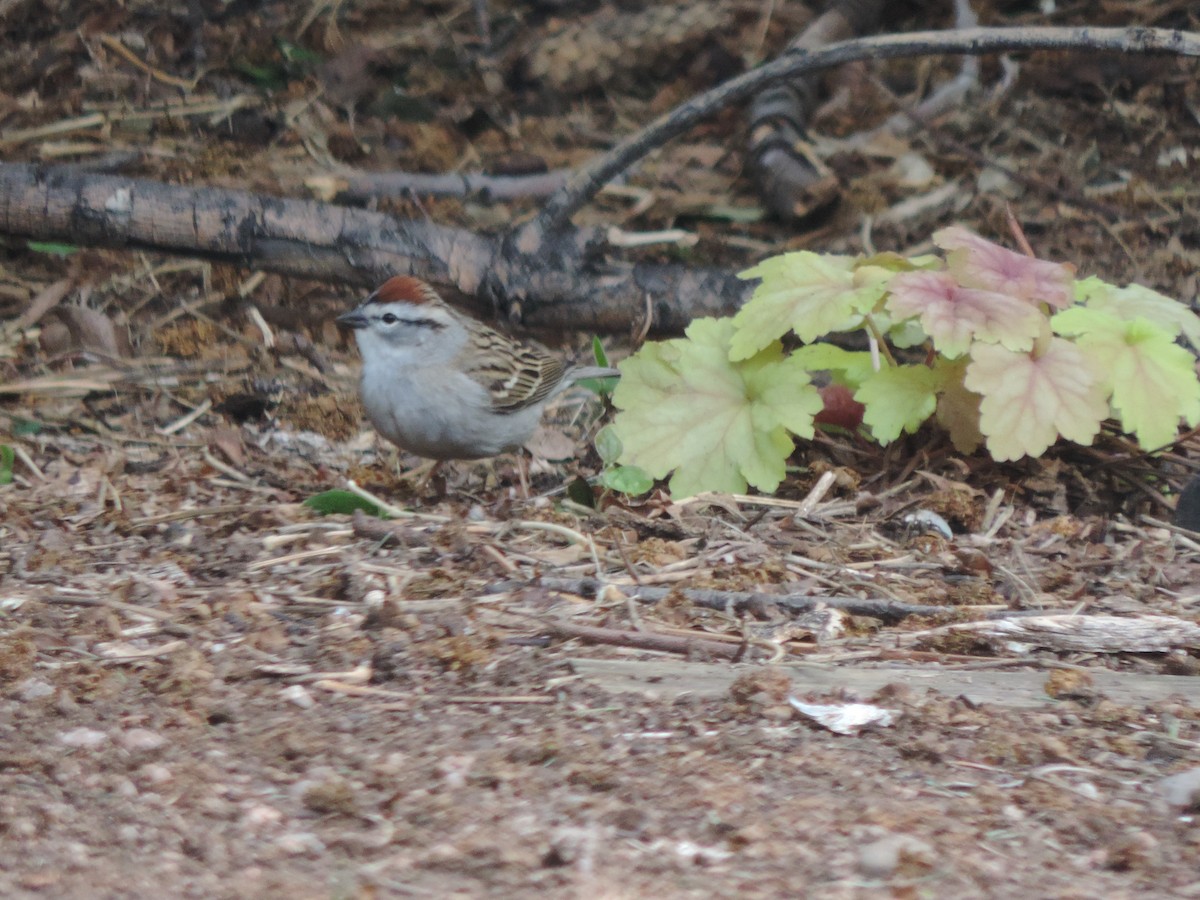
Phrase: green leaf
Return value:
(342, 503)
(626, 480)
(24, 427)
(294, 53)
(806, 293)
(52, 248)
(608, 445)
(6, 464)
(851, 366)
(898, 398)
(600, 386)
(267, 77)
(903, 334)
(1152, 379)
(599, 354)
(1136, 300)
(718, 425)
(894, 262)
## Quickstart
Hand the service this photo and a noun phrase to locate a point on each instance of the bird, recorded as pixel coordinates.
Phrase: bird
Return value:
(444, 386)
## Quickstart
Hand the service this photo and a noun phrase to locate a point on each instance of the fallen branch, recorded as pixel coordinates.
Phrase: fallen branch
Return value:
(1077, 634)
(307, 239)
(889, 611)
(643, 640)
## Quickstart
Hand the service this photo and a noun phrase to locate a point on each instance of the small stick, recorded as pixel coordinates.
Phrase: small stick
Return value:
(640, 640)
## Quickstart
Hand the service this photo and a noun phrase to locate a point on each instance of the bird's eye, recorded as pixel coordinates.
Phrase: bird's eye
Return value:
(389, 318)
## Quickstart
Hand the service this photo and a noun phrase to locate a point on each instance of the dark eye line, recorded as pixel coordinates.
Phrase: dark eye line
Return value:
(392, 318)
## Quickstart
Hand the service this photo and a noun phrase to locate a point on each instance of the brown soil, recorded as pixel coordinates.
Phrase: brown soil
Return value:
(208, 690)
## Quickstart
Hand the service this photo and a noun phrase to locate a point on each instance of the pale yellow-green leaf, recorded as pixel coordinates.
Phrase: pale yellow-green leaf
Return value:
(851, 366)
(808, 293)
(897, 398)
(1152, 379)
(684, 407)
(1136, 300)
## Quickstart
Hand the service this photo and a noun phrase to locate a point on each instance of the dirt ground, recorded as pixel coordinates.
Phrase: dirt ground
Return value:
(207, 689)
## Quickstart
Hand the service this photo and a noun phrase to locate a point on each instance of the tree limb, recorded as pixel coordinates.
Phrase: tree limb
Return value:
(973, 41)
(306, 239)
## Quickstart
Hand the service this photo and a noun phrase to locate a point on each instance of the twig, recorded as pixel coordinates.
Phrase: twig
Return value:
(394, 511)
(496, 698)
(229, 509)
(186, 420)
(886, 610)
(584, 184)
(294, 557)
(640, 640)
(27, 461)
(115, 45)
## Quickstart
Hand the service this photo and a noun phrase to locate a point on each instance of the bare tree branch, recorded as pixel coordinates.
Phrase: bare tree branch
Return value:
(973, 41)
(338, 244)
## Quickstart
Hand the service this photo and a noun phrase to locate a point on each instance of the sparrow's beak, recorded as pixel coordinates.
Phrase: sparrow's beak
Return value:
(353, 319)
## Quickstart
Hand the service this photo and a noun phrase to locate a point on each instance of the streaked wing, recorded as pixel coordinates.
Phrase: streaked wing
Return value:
(517, 375)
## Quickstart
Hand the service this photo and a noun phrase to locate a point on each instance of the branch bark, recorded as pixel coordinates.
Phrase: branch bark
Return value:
(339, 244)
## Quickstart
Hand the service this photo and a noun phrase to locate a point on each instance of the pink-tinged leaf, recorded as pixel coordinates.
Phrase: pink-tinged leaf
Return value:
(958, 408)
(978, 263)
(953, 315)
(1030, 399)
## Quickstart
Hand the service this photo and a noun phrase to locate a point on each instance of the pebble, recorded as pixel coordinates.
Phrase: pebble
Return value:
(261, 816)
(83, 738)
(299, 842)
(1181, 789)
(142, 740)
(298, 695)
(121, 786)
(881, 858)
(34, 689)
(21, 828)
(154, 774)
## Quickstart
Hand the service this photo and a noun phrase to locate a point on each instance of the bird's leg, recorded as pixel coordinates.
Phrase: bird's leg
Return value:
(523, 473)
(422, 482)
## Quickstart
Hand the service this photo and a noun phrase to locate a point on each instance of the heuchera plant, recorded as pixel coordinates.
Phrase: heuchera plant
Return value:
(1018, 353)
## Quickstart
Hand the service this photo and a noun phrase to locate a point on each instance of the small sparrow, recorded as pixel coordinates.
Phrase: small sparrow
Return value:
(444, 386)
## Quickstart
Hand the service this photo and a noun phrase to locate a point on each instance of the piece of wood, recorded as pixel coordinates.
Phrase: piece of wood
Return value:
(1077, 634)
(669, 679)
